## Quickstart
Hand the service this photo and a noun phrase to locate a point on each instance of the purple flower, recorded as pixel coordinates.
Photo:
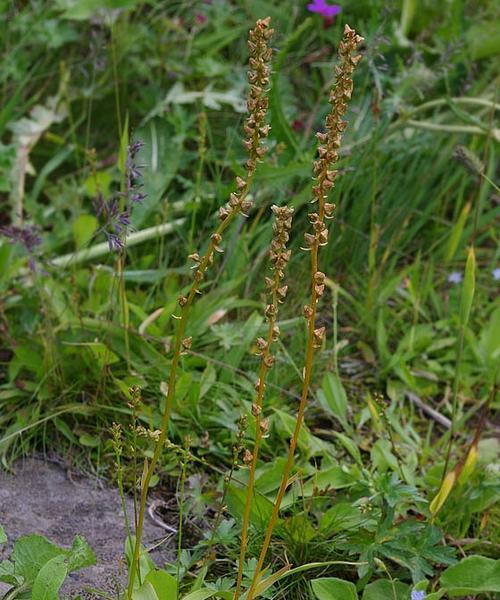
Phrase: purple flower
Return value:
(415, 595)
(323, 8)
(115, 220)
(496, 274)
(27, 236)
(133, 173)
(455, 277)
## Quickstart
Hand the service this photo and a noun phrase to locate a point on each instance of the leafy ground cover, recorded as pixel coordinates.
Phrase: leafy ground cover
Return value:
(141, 104)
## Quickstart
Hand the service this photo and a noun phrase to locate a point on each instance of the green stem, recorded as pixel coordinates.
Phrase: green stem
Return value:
(308, 368)
(181, 517)
(264, 369)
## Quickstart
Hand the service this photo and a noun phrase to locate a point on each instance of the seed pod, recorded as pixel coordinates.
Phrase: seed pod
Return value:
(268, 361)
(247, 457)
(256, 410)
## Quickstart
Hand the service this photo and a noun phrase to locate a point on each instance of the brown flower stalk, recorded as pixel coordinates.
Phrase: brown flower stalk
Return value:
(279, 257)
(329, 143)
(256, 131)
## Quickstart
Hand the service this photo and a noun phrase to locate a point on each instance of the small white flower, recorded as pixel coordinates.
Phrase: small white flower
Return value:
(455, 277)
(496, 274)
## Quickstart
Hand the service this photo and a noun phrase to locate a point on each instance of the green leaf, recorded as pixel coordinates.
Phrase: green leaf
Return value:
(80, 555)
(472, 575)
(456, 233)
(158, 585)
(261, 508)
(332, 588)
(83, 228)
(334, 477)
(49, 579)
(31, 553)
(340, 517)
(382, 456)
(468, 288)
(146, 565)
(90, 441)
(383, 589)
(81, 10)
(204, 594)
(483, 39)
(7, 574)
(333, 398)
(3, 535)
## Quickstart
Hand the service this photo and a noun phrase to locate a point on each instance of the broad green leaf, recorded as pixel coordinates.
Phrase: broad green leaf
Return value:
(163, 585)
(31, 553)
(49, 579)
(332, 588)
(333, 398)
(334, 477)
(90, 441)
(468, 288)
(83, 228)
(472, 575)
(383, 589)
(80, 555)
(145, 592)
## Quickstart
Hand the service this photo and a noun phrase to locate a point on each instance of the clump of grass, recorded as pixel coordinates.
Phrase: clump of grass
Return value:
(256, 131)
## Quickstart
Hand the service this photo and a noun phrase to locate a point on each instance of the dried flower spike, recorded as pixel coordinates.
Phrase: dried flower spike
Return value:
(329, 143)
(278, 258)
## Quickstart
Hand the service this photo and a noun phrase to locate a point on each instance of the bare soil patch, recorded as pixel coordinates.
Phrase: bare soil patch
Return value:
(42, 498)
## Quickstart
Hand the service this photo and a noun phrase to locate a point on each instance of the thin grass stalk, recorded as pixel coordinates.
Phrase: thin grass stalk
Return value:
(279, 257)
(328, 155)
(228, 477)
(256, 131)
(182, 497)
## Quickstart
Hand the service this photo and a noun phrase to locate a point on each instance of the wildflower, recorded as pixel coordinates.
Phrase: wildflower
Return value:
(417, 595)
(455, 277)
(116, 221)
(27, 236)
(496, 274)
(323, 8)
(133, 173)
